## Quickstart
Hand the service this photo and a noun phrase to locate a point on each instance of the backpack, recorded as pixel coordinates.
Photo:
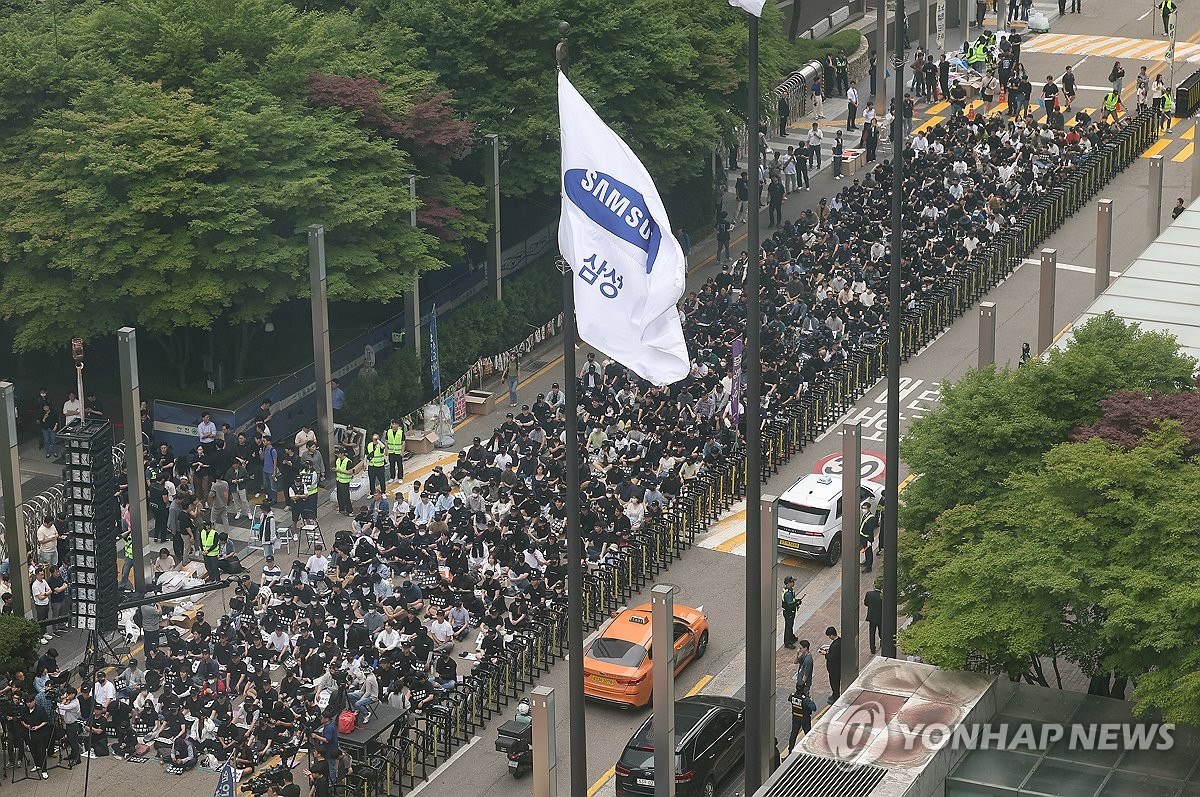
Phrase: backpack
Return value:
(347, 722)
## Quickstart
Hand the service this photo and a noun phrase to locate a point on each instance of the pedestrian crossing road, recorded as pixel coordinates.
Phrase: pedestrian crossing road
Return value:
(1109, 47)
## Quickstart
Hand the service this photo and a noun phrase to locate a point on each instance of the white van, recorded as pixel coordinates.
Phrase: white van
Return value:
(810, 516)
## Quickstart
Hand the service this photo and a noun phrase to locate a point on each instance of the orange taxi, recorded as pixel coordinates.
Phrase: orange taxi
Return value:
(617, 666)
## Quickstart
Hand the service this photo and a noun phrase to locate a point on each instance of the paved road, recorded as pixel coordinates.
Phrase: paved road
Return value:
(712, 574)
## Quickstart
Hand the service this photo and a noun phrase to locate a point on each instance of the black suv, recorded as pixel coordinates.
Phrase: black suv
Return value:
(709, 744)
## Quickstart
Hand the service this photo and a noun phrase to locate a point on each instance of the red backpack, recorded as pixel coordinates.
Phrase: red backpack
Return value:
(347, 721)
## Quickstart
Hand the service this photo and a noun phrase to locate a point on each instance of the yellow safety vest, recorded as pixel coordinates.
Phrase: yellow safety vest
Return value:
(1168, 104)
(395, 441)
(342, 466)
(128, 549)
(208, 542)
(1110, 101)
(313, 481)
(376, 457)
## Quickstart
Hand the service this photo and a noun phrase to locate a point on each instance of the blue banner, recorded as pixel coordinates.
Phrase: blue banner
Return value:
(225, 782)
(435, 368)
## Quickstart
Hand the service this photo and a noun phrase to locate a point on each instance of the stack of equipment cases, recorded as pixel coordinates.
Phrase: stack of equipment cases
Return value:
(93, 513)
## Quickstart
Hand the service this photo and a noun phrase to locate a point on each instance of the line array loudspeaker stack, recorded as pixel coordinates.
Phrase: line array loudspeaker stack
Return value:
(92, 516)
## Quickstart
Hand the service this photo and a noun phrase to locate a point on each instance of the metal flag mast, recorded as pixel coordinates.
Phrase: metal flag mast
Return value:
(578, 731)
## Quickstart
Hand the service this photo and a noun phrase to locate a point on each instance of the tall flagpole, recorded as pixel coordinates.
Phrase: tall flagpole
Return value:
(578, 732)
(756, 686)
(889, 536)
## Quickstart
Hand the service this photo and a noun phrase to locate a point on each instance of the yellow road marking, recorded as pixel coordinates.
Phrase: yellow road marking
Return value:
(703, 682)
(1185, 153)
(938, 108)
(928, 123)
(1157, 147)
(608, 774)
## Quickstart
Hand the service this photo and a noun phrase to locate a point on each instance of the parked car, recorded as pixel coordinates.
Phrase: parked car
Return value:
(810, 516)
(710, 744)
(618, 665)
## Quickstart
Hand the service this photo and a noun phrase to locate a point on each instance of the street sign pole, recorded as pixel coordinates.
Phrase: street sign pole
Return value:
(662, 646)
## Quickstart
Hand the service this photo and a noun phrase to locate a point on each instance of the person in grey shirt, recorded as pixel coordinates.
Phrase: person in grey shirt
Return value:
(72, 718)
(134, 677)
(151, 618)
(804, 666)
(218, 499)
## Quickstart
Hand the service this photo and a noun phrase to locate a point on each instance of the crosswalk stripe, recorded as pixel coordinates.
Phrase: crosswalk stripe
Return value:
(1185, 153)
(1157, 147)
(1188, 134)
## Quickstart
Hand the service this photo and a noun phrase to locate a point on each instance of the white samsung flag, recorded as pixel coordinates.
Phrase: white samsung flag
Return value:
(628, 268)
(755, 7)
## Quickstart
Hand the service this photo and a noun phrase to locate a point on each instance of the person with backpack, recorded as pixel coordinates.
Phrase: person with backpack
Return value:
(723, 229)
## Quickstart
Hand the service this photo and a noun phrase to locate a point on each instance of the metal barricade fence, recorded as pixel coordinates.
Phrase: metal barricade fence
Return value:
(418, 748)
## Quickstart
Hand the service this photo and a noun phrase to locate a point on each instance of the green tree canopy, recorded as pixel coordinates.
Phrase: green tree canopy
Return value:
(996, 422)
(162, 159)
(1086, 558)
(664, 75)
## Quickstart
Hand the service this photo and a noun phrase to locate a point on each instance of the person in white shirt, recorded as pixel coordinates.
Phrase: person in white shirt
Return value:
(388, 637)
(442, 632)
(920, 143)
(317, 564)
(104, 692)
(47, 541)
(71, 409)
(281, 643)
(206, 430)
(271, 574)
(41, 601)
(304, 437)
(423, 512)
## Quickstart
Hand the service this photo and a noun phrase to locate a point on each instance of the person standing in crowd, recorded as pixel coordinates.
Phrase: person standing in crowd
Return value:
(512, 376)
(790, 605)
(376, 456)
(842, 65)
(784, 111)
(343, 473)
(852, 107)
(35, 722)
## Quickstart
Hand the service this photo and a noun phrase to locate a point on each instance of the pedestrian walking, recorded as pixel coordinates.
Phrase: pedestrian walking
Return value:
(838, 149)
(1168, 12)
(789, 171)
(852, 107)
(815, 95)
(873, 600)
(1116, 76)
(741, 189)
(790, 604)
(723, 230)
(775, 202)
(512, 375)
(1068, 87)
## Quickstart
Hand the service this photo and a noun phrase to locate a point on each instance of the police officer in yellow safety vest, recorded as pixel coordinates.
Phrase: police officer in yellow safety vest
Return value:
(789, 603)
(342, 471)
(211, 548)
(395, 451)
(1112, 104)
(866, 536)
(376, 463)
(1168, 110)
(1168, 11)
(127, 560)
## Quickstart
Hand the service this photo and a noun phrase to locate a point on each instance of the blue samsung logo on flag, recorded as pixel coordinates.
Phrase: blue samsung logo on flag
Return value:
(616, 207)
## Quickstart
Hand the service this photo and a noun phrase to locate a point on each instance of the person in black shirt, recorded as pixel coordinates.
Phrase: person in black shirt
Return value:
(38, 728)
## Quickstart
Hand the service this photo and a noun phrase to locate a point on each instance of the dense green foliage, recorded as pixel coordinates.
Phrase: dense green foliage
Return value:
(483, 327)
(18, 645)
(1020, 545)
(163, 159)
